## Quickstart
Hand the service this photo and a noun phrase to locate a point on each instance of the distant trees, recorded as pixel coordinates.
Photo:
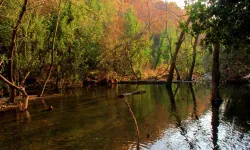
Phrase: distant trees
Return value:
(100, 39)
(93, 39)
(71, 40)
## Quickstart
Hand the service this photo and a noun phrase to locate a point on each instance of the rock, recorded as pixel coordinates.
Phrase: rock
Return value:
(207, 76)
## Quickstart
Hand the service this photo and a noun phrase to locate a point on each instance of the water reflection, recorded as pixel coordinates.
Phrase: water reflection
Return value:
(94, 118)
(215, 125)
(179, 125)
(194, 114)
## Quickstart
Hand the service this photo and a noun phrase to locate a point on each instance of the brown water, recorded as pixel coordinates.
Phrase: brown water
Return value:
(94, 118)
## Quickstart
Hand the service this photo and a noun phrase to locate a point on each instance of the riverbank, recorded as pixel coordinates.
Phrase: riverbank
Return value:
(6, 106)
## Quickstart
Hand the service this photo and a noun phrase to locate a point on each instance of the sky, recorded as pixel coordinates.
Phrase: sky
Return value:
(180, 3)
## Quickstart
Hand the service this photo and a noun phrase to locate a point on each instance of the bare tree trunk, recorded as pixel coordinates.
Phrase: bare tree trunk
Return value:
(22, 90)
(12, 48)
(216, 73)
(173, 59)
(194, 59)
(52, 51)
(175, 68)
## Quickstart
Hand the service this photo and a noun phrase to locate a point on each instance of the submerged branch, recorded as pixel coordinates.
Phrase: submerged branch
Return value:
(135, 122)
(132, 93)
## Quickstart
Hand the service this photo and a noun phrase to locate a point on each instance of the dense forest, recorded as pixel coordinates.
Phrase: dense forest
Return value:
(64, 43)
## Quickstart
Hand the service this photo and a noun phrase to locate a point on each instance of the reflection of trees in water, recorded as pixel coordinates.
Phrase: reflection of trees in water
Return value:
(175, 112)
(11, 133)
(183, 130)
(215, 124)
(194, 114)
(235, 114)
(237, 105)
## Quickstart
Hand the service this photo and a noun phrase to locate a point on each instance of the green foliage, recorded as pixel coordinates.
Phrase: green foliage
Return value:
(225, 21)
(31, 43)
(137, 45)
(98, 38)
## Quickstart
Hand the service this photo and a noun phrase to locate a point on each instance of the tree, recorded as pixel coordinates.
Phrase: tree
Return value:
(216, 73)
(225, 24)
(52, 50)
(12, 49)
(173, 59)
(21, 89)
(135, 46)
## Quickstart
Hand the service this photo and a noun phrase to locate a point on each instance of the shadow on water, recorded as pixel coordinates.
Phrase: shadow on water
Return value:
(180, 117)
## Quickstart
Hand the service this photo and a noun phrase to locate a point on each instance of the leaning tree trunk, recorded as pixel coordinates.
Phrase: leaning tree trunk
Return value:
(20, 89)
(52, 51)
(177, 73)
(215, 73)
(175, 68)
(194, 59)
(173, 59)
(12, 48)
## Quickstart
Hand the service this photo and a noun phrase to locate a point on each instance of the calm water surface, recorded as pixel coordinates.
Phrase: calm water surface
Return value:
(94, 118)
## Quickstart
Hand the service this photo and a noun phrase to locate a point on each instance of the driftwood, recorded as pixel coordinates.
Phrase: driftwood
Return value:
(132, 93)
(153, 82)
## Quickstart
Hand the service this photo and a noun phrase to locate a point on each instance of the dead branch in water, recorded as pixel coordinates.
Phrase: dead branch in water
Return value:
(136, 125)
(132, 93)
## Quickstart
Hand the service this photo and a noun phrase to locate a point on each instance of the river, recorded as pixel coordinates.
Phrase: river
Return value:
(95, 118)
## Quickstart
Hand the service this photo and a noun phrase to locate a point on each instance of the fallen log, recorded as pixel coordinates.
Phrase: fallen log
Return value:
(153, 82)
(132, 93)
